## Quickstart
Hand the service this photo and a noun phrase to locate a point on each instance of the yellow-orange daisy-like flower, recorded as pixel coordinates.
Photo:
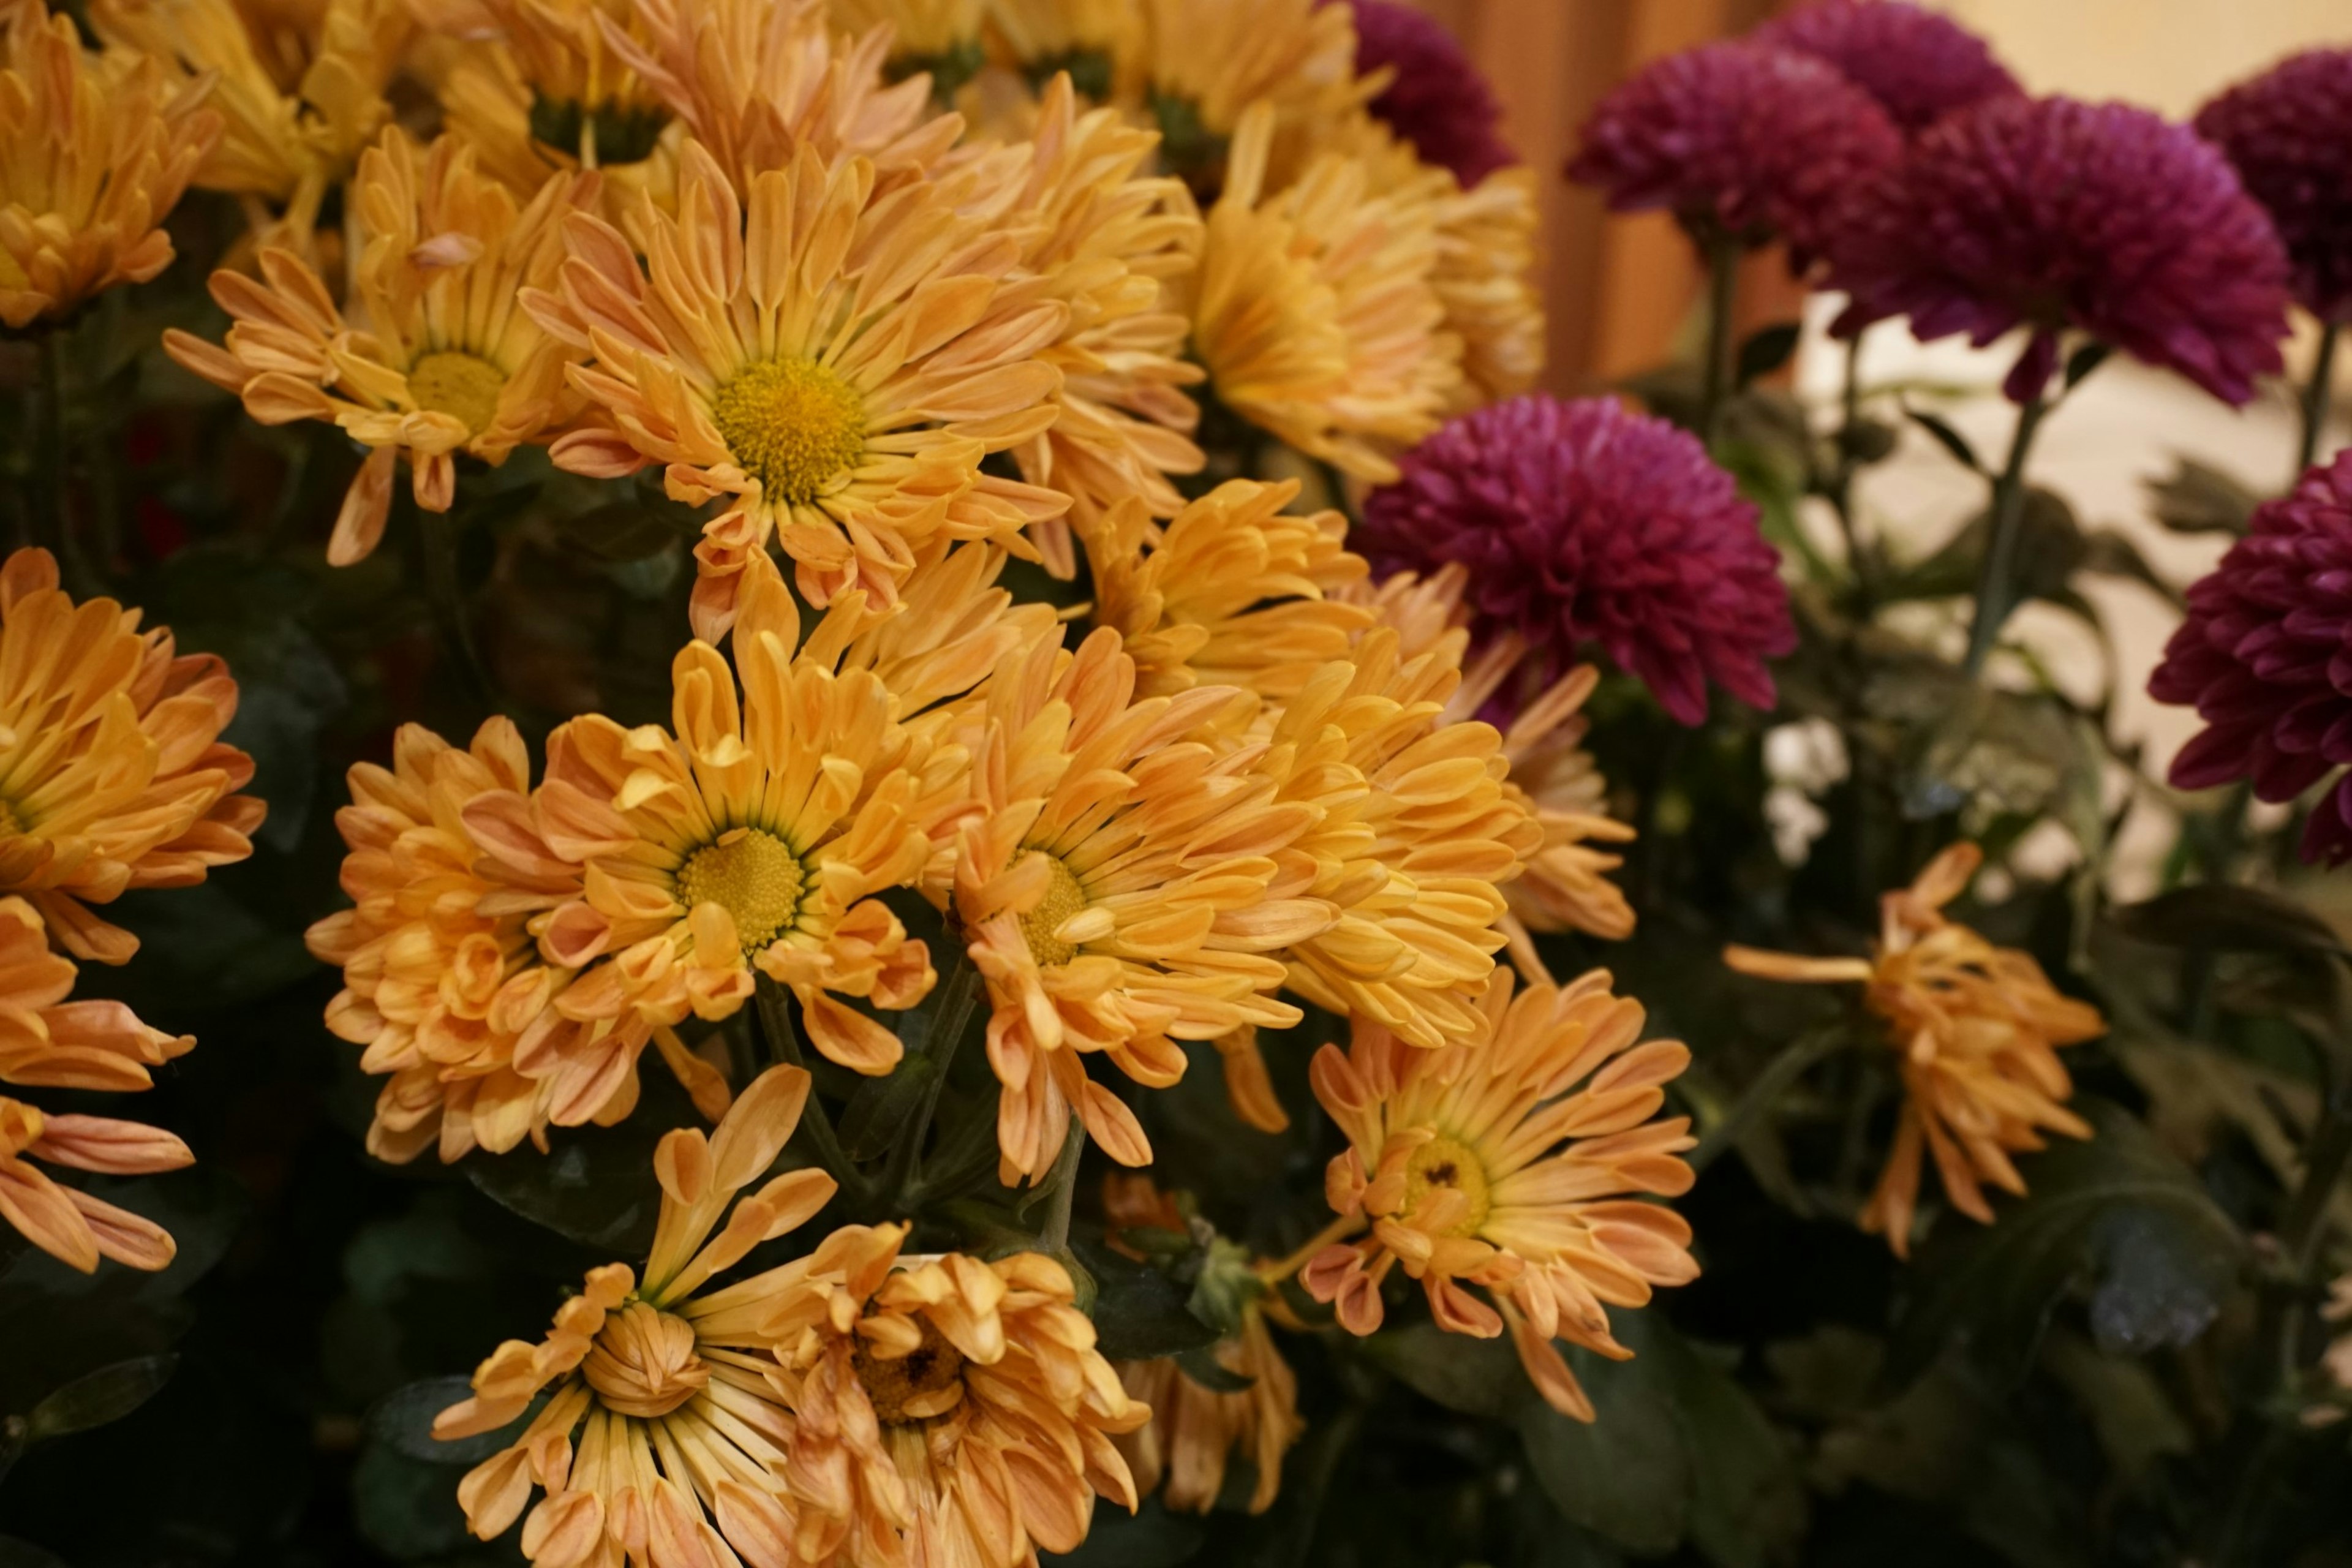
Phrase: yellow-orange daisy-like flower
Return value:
(1233, 591)
(832, 360)
(1416, 834)
(112, 773)
(1313, 310)
(754, 838)
(946, 1410)
(300, 91)
(1104, 242)
(1112, 882)
(433, 356)
(662, 1432)
(940, 38)
(48, 1042)
(93, 155)
(443, 983)
(1976, 1028)
(1096, 41)
(1211, 61)
(1514, 1165)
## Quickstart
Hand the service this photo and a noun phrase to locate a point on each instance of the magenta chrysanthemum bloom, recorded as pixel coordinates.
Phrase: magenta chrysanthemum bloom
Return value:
(2289, 133)
(1439, 101)
(1586, 522)
(1918, 65)
(2265, 657)
(2053, 213)
(1753, 142)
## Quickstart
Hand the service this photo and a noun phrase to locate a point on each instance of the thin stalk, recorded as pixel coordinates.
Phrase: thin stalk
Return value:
(2000, 544)
(1056, 1235)
(1722, 293)
(451, 619)
(1841, 494)
(1777, 1076)
(51, 525)
(1338, 1230)
(958, 996)
(784, 1047)
(2315, 393)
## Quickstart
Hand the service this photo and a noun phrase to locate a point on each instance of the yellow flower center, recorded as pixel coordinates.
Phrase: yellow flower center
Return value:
(753, 876)
(1448, 1163)
(927, 1381)
(791, 424)
(464, 386)
(643, 1362)
(1063, 898)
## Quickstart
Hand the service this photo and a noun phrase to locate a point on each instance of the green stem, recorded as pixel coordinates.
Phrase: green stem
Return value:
(51, 525)
(1056, 1235)
(1993, 585)
(1722, 292)
(784, 1047)
(1857, 557)
(2315, 393)
(942, 1042)
(1777, 1076)
(452, 616)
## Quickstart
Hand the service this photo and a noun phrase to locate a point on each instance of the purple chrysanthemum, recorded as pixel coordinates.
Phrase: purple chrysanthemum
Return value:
(1586, 522)
(1439, 101)
(1918, 65)
(2289, 133)
(2053, 214)
(2265, 657)
(1754, 141)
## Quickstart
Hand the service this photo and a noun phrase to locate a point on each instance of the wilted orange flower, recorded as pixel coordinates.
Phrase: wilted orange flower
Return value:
(1510, 1163)
(1233, 591)
(946, 1410)
(1112, 882)
(662, 1432)
(48, 1042)
(110, 744)
(94, 154)
(1416, 835)
(1103, 241)
(442, 981)
(434, 356)
(300, 91)
(754, 837)
(1195, 1430)
(1978, 1028)
(834, 365)
(1313, 310)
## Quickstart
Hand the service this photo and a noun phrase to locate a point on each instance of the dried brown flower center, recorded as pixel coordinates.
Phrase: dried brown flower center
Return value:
(927, 1381)
(753, 876)
(1448, 1163)
(793, 425)
(1063, 898)
(643, 1362)
(464, 386)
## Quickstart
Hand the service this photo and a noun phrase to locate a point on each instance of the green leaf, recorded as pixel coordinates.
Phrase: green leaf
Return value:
(2116, 1214)
(1139, 1312)
(403, 1422)
(595, 1184)
(2197, 498)
(1151, 1538)
(405, 1507)
(1628, 1473)
(620, 532)
(2084, 360)
(871, 1121)
(1201, 1364)
(1767, 349)
(1474, 1377)
(1748, 1503)
(96, 1398)
(1951, 440)
(2229, 917)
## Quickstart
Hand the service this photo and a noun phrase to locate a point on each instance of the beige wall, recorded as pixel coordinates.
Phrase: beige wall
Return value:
(2169, 55)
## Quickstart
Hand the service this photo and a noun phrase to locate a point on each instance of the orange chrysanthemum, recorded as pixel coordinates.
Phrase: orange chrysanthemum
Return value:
(1195, 1430)
(1211, 61)
(94, 153)
(946, 1410)
(1313, 310)
(1978, 1028)
(663, 1433)
(753, 838)
(832, 359)
(1113, 883)
(1097, 42)
(1511, 1165)
(112, 773)
(48, 1042)
(432, 357)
